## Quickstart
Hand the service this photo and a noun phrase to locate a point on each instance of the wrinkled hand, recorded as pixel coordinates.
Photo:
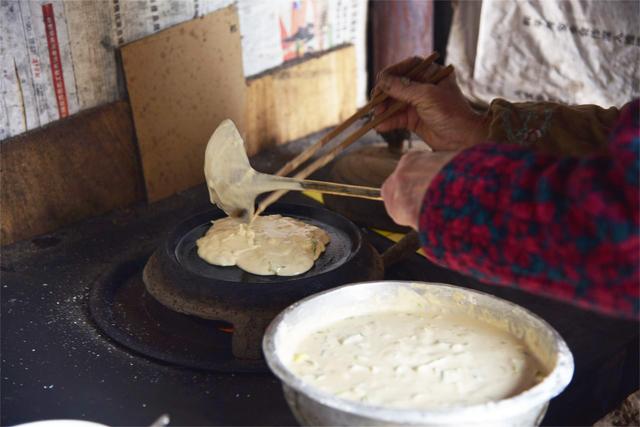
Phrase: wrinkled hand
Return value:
(404, 190)
(439, 114)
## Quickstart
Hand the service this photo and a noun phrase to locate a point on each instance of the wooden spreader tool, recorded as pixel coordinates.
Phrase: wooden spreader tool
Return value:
(234, 185)
(419, 73)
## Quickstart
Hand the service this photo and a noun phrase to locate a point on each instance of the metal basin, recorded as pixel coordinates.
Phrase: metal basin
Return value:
(312, 406)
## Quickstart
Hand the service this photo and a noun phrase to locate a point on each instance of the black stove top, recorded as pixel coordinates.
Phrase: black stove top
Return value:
(121, 307)
(56, 363)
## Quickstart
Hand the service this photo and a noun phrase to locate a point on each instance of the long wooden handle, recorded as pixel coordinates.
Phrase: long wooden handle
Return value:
(287, 183)
(342, 189)
(307, 153)
(322, 161)
(406, 246)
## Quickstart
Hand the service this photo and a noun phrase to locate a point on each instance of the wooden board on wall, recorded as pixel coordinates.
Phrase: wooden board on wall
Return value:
(182, 83)
(185, 80)
(68, 171)
(294, 101)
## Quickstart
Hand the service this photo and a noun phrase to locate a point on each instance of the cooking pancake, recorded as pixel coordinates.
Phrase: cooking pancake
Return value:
(345, 237)
(270, 245)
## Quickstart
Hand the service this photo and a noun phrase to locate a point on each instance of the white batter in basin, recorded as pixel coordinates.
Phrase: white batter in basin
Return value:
(313, 406)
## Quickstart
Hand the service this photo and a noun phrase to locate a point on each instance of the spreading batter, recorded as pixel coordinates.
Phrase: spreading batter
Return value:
(265, 245)
(271, 244)
(415, 360)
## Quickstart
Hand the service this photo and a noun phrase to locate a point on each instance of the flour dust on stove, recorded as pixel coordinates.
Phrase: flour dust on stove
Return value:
(83, 346)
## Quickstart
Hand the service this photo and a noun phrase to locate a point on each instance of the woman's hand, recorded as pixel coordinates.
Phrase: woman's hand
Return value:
(404, 190)
(439, 114)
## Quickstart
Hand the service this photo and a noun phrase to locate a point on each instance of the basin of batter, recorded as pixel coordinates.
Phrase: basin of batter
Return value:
(415, 353)
(415, 360)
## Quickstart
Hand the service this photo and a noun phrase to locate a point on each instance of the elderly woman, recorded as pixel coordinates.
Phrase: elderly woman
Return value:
(541, 196)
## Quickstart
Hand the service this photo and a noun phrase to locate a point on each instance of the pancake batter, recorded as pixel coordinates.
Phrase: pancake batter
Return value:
(416, 360)
(270, 245)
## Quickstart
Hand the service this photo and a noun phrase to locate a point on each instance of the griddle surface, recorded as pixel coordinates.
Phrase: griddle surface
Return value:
(342, 246)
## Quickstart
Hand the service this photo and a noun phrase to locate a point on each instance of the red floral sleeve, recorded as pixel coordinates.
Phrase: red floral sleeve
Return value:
(565, 227)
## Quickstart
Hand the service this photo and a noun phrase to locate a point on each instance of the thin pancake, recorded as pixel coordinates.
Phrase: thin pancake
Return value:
(270, 245)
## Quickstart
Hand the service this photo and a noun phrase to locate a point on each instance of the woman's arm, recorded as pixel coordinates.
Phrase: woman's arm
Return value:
(563, 227)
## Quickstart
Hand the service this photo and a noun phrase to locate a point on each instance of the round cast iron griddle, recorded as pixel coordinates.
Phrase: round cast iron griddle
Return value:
(122, 308)
(345, 241)
(177, 277)
(347, 258)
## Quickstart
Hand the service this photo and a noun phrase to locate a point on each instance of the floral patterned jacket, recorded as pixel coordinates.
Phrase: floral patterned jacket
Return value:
(551, 208)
